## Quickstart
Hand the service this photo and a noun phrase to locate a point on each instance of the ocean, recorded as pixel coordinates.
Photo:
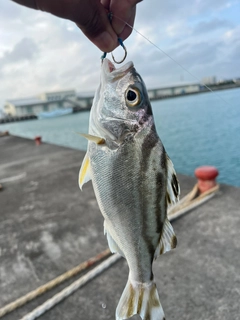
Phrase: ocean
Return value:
(196, 130)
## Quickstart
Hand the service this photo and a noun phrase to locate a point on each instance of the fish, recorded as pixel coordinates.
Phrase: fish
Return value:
(134, 182)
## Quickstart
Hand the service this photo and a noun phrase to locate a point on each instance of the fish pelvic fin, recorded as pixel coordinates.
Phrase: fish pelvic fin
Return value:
(84, 173)
(173, 188)
(168, 240)
(142, 299)
(95, 139)
(113, 246)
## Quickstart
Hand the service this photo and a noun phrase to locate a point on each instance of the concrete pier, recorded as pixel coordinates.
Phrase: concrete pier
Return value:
(48, 226)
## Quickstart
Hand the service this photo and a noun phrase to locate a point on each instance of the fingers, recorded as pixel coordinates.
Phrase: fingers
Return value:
(123, 11)
(97, 27)
(128, 30)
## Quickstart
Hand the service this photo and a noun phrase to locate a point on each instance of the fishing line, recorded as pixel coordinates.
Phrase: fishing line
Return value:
(166, 54)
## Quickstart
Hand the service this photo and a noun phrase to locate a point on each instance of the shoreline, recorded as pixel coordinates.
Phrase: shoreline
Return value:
(204, 90)
(78, 109)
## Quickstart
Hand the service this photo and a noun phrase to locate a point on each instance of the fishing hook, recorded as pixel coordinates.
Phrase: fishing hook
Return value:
(125, 52)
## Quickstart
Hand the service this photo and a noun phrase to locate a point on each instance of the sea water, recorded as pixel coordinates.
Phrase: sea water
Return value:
(196, 130)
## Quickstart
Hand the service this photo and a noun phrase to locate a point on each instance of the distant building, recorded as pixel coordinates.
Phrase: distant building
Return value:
(172, 91)
(209, 80)
(237, 81)
(59, 95)
(1, 114)
(45, 102)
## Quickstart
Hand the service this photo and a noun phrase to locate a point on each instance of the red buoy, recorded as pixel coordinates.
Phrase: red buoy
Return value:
(38, 140)
(206, 176)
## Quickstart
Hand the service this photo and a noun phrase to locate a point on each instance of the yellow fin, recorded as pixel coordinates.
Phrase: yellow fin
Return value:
(84, 173)
(97, 140)
(140, 298)
(168, 239)
(113, 246)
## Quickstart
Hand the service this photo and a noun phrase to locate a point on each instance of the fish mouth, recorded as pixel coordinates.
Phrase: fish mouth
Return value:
(109, 68)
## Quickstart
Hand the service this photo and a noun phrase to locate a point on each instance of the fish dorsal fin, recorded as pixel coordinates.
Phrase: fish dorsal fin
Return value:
(173, 188)
(90, 137)
(84, 173)
(113, 246)
(168, 239)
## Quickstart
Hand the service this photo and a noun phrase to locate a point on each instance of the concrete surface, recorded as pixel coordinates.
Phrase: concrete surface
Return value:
(47, 226)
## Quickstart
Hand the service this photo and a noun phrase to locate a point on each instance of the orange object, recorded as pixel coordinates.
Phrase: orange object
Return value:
(206, 176)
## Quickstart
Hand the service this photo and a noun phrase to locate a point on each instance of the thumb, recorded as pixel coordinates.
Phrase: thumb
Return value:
(95, 24)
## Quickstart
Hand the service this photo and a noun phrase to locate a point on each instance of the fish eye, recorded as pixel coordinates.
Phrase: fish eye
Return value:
(133, 97)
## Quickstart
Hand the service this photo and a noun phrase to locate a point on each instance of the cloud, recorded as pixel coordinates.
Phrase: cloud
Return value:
(25, 49)
(212, 25)
(168, 12)
(9, 9)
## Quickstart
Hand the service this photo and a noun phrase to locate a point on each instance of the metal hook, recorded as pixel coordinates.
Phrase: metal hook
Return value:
(125, 52)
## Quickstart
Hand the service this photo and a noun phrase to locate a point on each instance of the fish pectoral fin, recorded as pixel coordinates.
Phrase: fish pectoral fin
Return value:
(90, 137)
(113, 246)
(140, 298)
(173, 188)
(168, 239)
(84, 173)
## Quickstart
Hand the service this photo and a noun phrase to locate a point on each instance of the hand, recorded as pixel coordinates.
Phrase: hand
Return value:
(91, 17)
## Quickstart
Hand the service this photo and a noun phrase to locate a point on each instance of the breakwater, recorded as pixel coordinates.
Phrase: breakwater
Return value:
(17, 118)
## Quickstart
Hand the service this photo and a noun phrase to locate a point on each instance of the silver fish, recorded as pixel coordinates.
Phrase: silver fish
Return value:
(133, 180)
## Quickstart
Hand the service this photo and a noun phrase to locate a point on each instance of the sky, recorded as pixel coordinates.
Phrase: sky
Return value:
(40, 52)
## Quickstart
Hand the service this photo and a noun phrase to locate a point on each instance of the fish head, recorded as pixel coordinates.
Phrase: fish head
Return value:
(121, 106)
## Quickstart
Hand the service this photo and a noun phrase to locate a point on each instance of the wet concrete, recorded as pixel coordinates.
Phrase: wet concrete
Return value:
(48, 226)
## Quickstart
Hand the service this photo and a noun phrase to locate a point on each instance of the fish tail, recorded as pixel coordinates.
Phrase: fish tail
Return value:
(142, 299)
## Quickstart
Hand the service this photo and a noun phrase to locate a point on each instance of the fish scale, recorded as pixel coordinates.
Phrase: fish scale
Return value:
(133, 180)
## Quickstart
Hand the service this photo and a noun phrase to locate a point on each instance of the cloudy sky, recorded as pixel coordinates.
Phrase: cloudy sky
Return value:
(39, 52)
